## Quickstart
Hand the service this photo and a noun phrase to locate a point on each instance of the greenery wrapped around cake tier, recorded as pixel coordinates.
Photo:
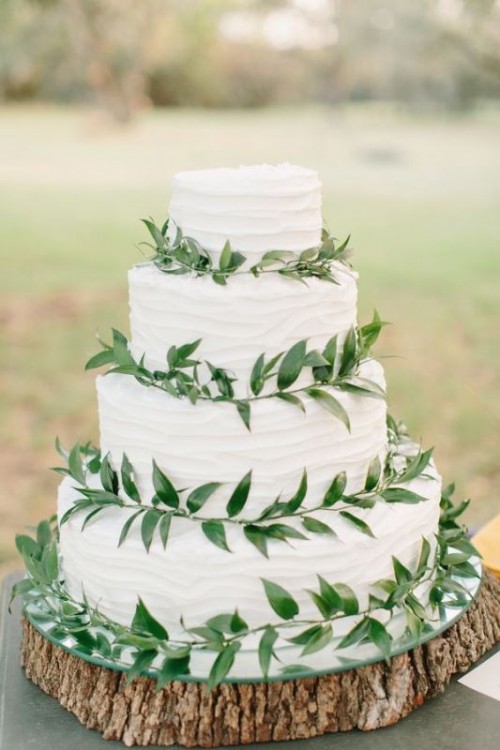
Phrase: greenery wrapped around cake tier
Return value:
(180, 255)
(146, 648)
(335, 368)
(118, 489)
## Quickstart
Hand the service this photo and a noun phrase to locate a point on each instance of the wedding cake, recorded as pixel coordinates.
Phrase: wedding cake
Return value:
(253, 512)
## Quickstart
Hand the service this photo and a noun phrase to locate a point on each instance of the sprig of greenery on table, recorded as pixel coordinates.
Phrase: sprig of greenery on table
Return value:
(179, 255)
(333, 368)
(150, 647)
(118, 489)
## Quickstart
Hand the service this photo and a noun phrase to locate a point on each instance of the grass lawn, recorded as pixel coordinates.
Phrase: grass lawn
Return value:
(421, 198)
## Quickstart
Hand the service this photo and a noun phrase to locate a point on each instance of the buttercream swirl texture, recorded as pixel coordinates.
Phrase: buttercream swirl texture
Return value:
(208, 441)
(256, 208)
(239, 322)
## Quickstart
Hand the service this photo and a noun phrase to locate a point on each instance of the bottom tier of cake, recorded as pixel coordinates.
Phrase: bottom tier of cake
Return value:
(191, 580)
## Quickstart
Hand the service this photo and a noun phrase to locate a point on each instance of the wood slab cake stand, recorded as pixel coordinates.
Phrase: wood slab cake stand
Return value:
(186, 714)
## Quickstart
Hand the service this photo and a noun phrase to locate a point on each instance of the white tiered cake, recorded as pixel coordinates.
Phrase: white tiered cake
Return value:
(198, 440)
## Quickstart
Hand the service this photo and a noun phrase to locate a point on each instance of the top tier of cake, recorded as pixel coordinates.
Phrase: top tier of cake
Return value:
(256, 208)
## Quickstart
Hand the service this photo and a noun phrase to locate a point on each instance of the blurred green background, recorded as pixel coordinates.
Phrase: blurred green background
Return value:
(394, 103)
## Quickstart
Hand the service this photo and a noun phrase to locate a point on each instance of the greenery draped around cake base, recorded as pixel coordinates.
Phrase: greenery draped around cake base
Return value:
(426, 599)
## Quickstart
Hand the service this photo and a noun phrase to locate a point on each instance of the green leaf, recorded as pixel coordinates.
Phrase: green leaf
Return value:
(155, 233)
(315, 359)
(402, 495)
(379, 635)
(164, 528)
(198, 497)
(330, 350)
(108, 476)
(269, 366)
(302, 638)
(416, 607)
(290, 398)
(20, 588)
(227, 623)
(280, 600)
(238, 624)
(317, 527)
(266, 648)
(90, 516)
(370, 331)
(244, 411)
(256, 376)
(216, 533)
(348, 353)
(222, 665)
(239, 496)
(221, 623)
(339, 596)
(335, 491)
(75, 464)
(150, 521)
(403, 575)
(120, 349)
(282, 531)
(128, 525)
(362, 387)
(128, 482)
(60, 449)
(356, 634)
(321, 603)
(360, 525)
(225, 256)
(165, 490)
(328, 402)
(219, 278)
(43, 534)
(373, 475)
(141, 664)
(105, 357)
(319, 640)
(237, 260)
(171, 669)
(257, 537)
(144, 622)
(296, 501)
(424, 557)
(185, 351)
(279, 255)
(291, 365)
(212, 638)
(416, 466)
(172, 357)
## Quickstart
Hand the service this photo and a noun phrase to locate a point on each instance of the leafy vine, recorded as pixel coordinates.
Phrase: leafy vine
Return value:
(119, 489)
(334, 368)
(150, 646)
(179, 255)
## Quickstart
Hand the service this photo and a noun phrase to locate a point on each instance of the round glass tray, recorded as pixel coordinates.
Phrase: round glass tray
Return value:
(246, 668)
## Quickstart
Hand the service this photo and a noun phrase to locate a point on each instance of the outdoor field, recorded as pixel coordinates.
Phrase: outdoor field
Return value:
(419, 196)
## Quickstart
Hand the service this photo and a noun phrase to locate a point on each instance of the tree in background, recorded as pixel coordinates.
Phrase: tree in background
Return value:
(126, 54)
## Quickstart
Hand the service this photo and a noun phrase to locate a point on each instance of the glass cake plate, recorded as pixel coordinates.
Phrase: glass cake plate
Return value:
(246, 668)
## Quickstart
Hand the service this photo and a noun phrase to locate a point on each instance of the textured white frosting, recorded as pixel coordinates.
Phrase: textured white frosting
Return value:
(257, 208)
(195, 579)
(238, 322)
(209, 442)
